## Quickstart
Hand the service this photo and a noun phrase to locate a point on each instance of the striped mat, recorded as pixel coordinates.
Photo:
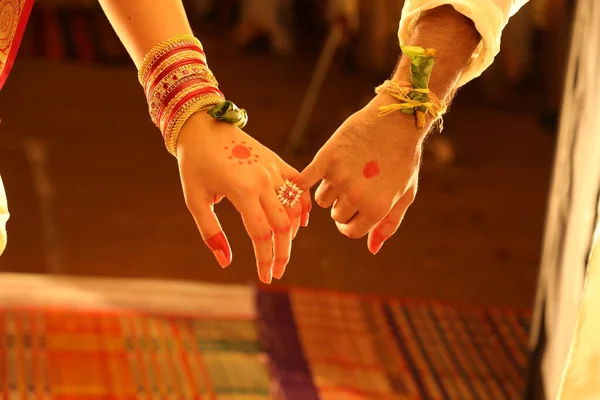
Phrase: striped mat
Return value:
(102, 339)
(324, 345)
(88, 340)
(78, 355)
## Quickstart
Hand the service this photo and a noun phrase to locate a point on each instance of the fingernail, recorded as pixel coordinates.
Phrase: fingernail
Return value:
(267, 276)
(279, 269)
(377, 242)
(218, 245)
(221, 258)
(378, 248)
(265, 271)
(305, 218)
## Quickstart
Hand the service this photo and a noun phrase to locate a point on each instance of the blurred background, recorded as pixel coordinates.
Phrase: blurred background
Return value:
(92, 190)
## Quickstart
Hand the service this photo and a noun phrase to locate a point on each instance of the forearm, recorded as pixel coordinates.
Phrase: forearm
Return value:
(141, 24)
(454, 38)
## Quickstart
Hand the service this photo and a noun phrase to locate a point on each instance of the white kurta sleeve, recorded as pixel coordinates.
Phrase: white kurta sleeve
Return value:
(489, 17)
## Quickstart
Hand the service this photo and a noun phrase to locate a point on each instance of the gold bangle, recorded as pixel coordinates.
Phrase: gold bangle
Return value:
(161, 49)
(186, 55)
(187, 88)
(170, 81)
(162, 121)
(159, 95)
(183, 114)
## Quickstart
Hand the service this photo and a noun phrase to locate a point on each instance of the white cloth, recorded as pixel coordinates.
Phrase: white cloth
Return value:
(580, 140)
(489, 17)
(3, 217)
(571, 219)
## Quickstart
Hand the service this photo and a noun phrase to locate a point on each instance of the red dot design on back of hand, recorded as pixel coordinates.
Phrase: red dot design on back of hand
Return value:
(241, 153)
(371, 170)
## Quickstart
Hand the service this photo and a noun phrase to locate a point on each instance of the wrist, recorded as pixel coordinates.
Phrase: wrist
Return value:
(404, 122)
(197, 123)
(453, 36)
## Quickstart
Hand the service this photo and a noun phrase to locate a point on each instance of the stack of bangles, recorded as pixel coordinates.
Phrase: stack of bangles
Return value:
(178, 83)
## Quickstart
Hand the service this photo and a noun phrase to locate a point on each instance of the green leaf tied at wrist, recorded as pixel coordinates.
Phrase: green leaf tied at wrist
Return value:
(227, 111)
(421, 64)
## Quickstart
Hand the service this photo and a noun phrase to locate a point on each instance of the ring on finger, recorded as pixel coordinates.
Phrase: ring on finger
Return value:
(289, 194)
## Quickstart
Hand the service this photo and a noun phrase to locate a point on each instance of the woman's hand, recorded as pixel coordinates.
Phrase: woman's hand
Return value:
(218, 160)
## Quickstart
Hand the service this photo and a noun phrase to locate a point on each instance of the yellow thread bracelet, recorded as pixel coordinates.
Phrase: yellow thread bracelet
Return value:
(400, 91)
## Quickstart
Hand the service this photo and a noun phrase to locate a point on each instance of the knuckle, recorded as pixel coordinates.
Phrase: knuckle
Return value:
(354, 232)
(258, 182)
(355, 195)
(339, 218)
(283, 229)
(320, 201)
(264, 263)
(337, 178)
(261, 236)
(336, 158)
(246, 187)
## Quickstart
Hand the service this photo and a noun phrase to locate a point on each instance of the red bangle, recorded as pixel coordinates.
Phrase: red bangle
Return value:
(177, 83)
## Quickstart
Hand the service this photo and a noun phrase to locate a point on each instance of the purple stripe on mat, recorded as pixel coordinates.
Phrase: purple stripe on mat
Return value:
(397, 334)
(280, 340)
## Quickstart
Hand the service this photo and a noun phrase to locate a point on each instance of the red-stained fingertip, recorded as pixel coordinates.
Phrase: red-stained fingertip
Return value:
(265, 271)
(376, 242)
(279, 268)
(267, 276)
(221, 258)
(220, 247)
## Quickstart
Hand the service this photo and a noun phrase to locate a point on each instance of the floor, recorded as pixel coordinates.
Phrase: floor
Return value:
(472, 236)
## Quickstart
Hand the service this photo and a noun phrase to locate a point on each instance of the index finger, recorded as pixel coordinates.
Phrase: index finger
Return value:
(313, 173)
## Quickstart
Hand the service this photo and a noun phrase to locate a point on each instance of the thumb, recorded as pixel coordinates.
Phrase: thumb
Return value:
(211, 231)
(313, 173)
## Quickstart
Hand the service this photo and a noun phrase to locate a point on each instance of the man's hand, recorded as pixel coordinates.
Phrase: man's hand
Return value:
(369, 168)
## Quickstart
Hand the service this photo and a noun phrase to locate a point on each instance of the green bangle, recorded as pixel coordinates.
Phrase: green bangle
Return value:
(227, 111)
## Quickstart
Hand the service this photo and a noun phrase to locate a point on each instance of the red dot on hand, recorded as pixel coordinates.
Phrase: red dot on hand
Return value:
(241, 152)
(371, 170)
(226, 147)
